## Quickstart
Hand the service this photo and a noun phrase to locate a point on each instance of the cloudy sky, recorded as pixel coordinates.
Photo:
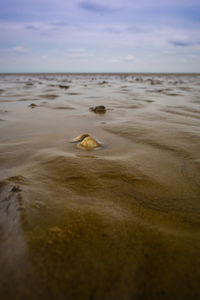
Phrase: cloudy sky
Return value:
(99, 36)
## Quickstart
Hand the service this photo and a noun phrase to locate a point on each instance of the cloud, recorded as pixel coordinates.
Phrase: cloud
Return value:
(114, 60)
(82, 38)
(122, 59)
(45, 57)
(95, 8)
(78, 53)
(32, 27)
(181, 43)
(20, 49)
(165, 52)
(112, 29)
(184, 60)
(47, 25)
(137, 29)
(59, 23)
(128, 58)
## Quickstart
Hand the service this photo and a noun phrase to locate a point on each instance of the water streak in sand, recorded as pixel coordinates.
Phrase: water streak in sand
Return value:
(122, 222)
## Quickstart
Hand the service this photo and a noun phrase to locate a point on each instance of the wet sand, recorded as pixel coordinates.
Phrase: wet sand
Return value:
(118, 222)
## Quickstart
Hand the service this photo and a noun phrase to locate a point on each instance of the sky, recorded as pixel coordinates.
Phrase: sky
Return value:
(100, 36)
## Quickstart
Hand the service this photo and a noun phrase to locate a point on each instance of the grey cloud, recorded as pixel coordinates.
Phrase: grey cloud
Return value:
(48, 26)
(126, 29)
(136, 29)
(95, 8)
(59, 23)
(113, 30)
(181, 43)
(32, 27)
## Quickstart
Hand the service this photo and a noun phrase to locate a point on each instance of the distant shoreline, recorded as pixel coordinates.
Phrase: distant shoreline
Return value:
(97, 73)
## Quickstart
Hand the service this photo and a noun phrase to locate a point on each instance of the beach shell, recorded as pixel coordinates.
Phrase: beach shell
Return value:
(89, 143)
(80, 137)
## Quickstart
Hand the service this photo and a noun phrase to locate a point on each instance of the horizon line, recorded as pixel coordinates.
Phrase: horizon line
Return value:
(18, 73)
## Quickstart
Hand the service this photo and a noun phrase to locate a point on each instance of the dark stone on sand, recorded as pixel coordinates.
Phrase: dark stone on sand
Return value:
(63, 107)
(64, 86)
(103, 82)
(73, 94)
(98, 109)
(49, 96)
(29, 83)
(138, 79)
(149, 101)
(15, 189)
(32, 105)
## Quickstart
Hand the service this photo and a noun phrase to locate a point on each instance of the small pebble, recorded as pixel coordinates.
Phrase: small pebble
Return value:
(98, 109)
(32, 105)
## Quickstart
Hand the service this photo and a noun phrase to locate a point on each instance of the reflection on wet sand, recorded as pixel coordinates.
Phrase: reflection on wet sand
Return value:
(117, 222)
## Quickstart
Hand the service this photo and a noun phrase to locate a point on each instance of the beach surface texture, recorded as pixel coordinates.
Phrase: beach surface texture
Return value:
(111, 215)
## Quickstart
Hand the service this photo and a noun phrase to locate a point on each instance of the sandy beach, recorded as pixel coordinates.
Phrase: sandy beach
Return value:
(118, 222)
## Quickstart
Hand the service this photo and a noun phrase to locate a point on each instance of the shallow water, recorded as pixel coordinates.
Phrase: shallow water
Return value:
(118, 222)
